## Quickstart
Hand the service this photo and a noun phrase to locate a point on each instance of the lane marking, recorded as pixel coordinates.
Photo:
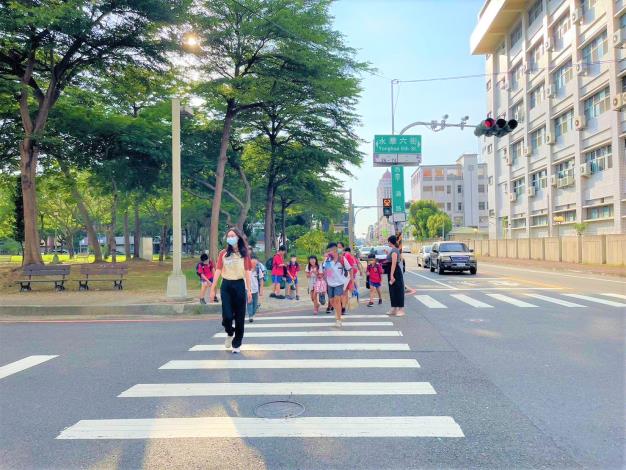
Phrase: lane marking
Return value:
(278, 388)
(470, 301)
(429, 302)
(313, 317)
(336, 426)
(310, 347)
(511, 300)
(611, 303)
(318, 324)
(23, 364)
(292, 364)
(562, 302)
(617, 296)
(479, 289)
(560, 274)
(276, 334)
(433, 280)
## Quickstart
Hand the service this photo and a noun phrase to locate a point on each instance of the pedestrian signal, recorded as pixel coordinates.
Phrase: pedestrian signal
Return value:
(387, 207)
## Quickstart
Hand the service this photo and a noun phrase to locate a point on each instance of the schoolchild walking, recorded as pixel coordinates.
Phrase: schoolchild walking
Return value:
(293, 268)
(374, 278)
(313, 275)
(336, 270)
(257, 281)
(204, 269)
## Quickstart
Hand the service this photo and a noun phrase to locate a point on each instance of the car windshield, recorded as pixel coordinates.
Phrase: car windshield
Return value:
(453, 247)
(427, 249)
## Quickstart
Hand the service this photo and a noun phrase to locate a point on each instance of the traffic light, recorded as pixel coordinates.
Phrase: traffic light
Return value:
(498, 128)
(387, 207)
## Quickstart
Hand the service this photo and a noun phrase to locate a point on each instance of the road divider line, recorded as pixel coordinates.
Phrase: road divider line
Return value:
(291, 364)
(23, 364)
(310, 347)
(511, 300)
(562, 302)
(313, 317)
(429, 302)
(610, 303)
(617, 296)
(278, 388)
(317, 325)
(448, 286)
(292, 334)
(224, 427)
(470, 301)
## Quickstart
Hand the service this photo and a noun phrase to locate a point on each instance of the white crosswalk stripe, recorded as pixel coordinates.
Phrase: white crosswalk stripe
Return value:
(562, 302)
(617, 296)
(278, 388)
(316, 317)
(23, 364)
(610, 303)
(470, 301)
(310, 347)
(318, 324)
(284, 334)
(291, 364)
(511, 300)
(429, 302)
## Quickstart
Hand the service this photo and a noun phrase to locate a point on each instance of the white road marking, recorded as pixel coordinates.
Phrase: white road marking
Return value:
(564, 303)
(336, 426)
(23, 364)
(318, 324)
(310, 347)
(314, 317)
(292, 364)
(276, 334)
(429, 301)
(617, 296)
(433, 280)
(611, 303)
(278, 388)
(511, 300)
(557, 273)
(473, 302)
(474, 289)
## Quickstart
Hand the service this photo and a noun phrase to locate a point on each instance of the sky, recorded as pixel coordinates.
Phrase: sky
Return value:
(408, 40)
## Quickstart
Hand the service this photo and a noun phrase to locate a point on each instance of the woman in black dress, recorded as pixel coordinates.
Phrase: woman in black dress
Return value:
(396, 279)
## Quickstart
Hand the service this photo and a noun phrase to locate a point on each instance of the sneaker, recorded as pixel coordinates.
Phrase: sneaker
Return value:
(380, 301)
(328, 310)
(338, 324)
(273, 295)
(215, 299)
(203, 302)
(343, 311)
(297, 297)
(236, 350)
(251, 320)
(282, 297)
(228, 342)
(370, 304)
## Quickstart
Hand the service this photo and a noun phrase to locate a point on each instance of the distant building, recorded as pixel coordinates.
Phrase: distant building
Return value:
(383, 190)
(459, 189)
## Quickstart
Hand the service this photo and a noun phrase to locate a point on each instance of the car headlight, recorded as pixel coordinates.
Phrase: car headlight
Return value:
(445, 258)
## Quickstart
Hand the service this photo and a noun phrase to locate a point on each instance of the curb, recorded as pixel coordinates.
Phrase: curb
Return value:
(109, 310)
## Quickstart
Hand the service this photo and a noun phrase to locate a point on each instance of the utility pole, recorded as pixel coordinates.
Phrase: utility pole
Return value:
(350, 219)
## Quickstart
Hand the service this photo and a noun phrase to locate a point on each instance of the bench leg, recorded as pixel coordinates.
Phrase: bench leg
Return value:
(118, 285)
(58, 286)
(25, 287)
(83, 285)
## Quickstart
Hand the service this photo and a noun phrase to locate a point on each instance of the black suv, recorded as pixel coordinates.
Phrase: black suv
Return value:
(452, 256)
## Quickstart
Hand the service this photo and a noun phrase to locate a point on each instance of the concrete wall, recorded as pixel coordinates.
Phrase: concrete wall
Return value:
(501, 249)
(552, 246)
(523, 248)
(616, 249)
(537, 250)
(594, 249)
(511, 248)
(571, 250)
(493, 248)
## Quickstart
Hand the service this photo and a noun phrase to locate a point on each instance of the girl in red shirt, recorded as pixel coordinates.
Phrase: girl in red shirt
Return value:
(374, 278)
(292, 275)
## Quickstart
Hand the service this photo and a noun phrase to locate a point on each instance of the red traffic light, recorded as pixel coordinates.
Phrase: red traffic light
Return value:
(489, 123)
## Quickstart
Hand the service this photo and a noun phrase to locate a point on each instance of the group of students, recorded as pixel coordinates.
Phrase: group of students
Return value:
(336, 277)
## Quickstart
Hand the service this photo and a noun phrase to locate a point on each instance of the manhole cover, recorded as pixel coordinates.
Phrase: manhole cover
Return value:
(280, 409)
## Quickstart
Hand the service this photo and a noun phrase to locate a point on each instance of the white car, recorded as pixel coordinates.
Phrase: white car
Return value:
(423, 257)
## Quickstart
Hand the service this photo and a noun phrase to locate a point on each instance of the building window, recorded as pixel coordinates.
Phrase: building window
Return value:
(537, 139)
(428, 189)
(441, 206)
(565, 169)
(516, 35)
(448, 189)
(602, 212)
(536, 96)
(562, 76)
(535, 12)
(517, 111)
(516, 151)
(481, 188)
(518, 223)
(599, 159)
(539, 220)
(622, 22)
(518, 186)
(597, 104)
(516, 77)
(535, 58)
(439, 189)
(561, 30)
(458, 221)
(481, 206)
(588, 6)
(459, 189)
(596, 49)
(539, 179)
(563, 124)
(459, 206)
(449, 207)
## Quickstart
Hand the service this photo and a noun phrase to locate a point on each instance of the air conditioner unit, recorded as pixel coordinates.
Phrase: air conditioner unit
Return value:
(581, 69)
(579, 123)
(577, 15)
(617, 102)
(512, 197)
(551, 91)
(531, 191)
(549, 139)
(548, 44)
(527, 152)
(565, 182)
(585, 169)
(552, 180)
(619, 38)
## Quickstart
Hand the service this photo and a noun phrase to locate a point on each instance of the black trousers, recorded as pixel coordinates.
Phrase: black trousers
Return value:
(234, 308)
(396, 290)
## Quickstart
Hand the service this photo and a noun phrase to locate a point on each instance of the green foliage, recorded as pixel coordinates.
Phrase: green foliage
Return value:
(294, 232)
(7, 206)
(581, 228)
(438, 224)
(312, 243)
(419, 213)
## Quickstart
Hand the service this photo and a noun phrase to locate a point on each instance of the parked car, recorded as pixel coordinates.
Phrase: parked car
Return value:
(423, 257)
(365, 252)
(381, 253)
(452, 256)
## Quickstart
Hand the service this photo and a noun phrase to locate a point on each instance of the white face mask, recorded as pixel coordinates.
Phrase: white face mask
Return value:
(232, 241)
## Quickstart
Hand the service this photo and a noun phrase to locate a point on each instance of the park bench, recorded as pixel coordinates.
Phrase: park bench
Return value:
(82, 257)
(56, 273)
(102, 272)
(5, 259)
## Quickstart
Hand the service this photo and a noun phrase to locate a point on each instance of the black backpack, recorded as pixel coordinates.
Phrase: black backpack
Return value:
(269, 264)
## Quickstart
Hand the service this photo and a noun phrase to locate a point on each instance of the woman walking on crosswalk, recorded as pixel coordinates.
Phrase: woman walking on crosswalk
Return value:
(234, 266)
(396, 278)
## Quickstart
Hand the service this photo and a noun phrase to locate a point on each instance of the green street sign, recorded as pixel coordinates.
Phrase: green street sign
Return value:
(386, 144)
(397, 188)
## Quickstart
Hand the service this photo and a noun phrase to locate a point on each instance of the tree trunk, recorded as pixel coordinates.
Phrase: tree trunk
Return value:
(126, 236)
(137, 234)
(283, 228)
(70, 243)
(269, 220)
(112, 242)
(163, 244)
(243, 213)
(219, 179)
(28, 167)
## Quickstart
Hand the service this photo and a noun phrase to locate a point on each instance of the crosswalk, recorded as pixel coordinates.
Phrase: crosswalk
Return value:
(268, 354)
(446, 300)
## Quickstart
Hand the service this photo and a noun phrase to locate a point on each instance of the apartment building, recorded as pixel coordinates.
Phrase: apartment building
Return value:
(459, 189)
(383, 190)
(558, 67)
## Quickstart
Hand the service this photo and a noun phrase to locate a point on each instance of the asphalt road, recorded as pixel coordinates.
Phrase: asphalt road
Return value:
(511, 368)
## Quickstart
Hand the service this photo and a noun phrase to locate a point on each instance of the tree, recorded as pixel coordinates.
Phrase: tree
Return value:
(18, 230)
(419, 213)
(580, 228)
(313, 242)
(439, 224)
(47, 45)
